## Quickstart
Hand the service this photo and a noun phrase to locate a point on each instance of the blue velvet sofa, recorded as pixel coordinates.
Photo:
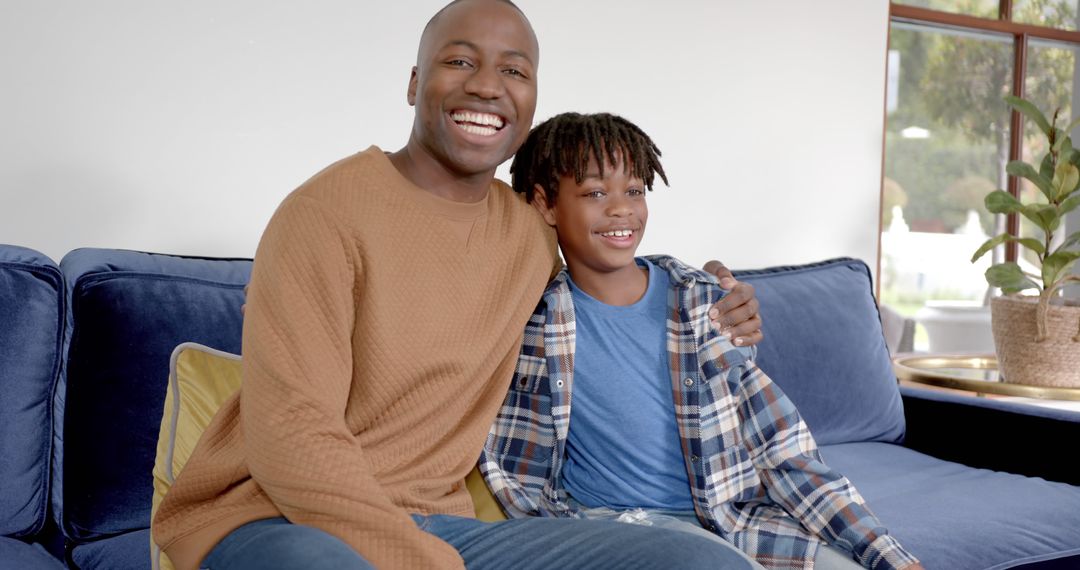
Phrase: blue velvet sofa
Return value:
(31, 336)
(85, 345)
(80, 413)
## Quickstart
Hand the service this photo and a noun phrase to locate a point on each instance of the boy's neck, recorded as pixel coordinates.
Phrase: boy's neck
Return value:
(620, 288)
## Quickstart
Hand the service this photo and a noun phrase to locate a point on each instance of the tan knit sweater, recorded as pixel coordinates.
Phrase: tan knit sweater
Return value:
(382, 328)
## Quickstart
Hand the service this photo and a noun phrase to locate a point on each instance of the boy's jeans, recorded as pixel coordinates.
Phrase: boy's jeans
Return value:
(828, 558)
(540, 543)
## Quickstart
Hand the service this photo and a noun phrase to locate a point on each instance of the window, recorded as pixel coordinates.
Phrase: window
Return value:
(980, 8)
(1052, 13)
(949, 135)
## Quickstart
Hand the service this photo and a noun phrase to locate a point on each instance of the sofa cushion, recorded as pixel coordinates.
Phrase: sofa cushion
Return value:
(123, 552)
(32, 316)
(128, 310)
(17, 554)
(957, 517)
(824, 346)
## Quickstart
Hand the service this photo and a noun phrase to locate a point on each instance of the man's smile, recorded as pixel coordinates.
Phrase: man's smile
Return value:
(477, 123)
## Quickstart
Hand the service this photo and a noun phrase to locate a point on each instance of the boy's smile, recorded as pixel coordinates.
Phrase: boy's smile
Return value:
(619, 237)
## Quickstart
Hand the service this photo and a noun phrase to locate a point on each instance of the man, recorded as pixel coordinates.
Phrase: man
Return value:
(369, 385)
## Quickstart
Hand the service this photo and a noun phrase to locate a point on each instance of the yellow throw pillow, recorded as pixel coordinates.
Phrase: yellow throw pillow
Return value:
(484, 504)
(200, 380)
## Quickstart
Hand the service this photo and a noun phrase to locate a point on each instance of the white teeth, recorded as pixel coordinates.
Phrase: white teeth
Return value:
(486, 119)
(618, 233)
(478, 130)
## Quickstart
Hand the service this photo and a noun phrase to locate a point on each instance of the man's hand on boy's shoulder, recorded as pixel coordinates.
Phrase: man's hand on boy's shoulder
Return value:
(737, 314)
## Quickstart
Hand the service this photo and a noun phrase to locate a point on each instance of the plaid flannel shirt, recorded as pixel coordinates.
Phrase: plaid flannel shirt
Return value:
(756, 476)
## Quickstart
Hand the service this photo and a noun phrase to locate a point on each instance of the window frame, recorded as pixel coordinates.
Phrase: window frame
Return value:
(1021, 34)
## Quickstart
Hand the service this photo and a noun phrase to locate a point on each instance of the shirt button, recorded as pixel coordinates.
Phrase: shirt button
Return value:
(558, 383)
(689, 382)
(694, 458)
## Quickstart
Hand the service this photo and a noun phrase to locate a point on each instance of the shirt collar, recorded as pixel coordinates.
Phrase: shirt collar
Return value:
(678, 272)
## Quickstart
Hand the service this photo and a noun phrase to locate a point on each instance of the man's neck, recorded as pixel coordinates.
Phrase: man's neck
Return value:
(619, 288)
(430, 175)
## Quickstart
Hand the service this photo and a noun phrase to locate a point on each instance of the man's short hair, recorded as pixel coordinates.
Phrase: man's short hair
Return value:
(442, 10)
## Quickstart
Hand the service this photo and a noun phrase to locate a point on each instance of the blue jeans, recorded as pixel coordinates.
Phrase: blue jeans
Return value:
(828, 557)
(660, 518)
(540, 543)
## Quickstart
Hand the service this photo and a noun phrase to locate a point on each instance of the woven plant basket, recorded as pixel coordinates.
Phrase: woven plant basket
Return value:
(1022, 357)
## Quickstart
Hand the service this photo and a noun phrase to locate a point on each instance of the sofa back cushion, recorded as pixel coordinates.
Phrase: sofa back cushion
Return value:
(31, 332)
(824, 346)
(128, 311)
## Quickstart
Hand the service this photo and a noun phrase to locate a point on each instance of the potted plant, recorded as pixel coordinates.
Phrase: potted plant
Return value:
(1037, 339)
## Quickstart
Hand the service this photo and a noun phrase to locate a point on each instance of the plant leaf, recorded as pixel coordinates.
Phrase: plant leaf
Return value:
(1069, 241)
(988, 245)
(1030, 243)
(1025, 170)
(1046, 167)
(1009, 277)
(1001, 202)
(1043, 215)
(1069, 204)
(1057, 263)
(1031, 112)
(1066, 177)
(1067, 152)
(1061, 141)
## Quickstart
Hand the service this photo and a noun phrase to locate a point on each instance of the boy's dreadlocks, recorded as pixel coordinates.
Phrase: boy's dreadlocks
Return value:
(563, 145)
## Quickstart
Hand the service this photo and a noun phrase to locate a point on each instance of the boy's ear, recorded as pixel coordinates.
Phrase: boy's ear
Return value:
(539, 201)
(411, 93)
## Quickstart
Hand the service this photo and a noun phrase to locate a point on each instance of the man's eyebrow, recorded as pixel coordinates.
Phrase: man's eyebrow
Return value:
(474, 47)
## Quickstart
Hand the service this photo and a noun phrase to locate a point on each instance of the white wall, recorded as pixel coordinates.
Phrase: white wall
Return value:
(178, 127)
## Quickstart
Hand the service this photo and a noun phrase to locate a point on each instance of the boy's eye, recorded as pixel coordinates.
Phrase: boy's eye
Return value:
(595, 194)
(636, 192)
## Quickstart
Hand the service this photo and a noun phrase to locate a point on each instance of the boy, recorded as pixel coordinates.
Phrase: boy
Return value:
(671, 422)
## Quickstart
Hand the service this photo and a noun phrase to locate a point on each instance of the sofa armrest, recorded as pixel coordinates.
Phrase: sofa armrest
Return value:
(990, 434)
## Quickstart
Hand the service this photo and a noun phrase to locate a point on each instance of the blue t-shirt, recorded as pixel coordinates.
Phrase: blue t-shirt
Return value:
(623, 449)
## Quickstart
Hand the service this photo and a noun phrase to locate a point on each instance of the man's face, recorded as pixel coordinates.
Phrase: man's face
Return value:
(601, 221)
(474, 86)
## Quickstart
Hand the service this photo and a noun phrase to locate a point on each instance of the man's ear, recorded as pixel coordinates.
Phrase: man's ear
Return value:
(539, 201)
(411, 93)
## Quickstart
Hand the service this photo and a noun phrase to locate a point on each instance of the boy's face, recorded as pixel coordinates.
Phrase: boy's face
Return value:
(474, 86)
(601, 221)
